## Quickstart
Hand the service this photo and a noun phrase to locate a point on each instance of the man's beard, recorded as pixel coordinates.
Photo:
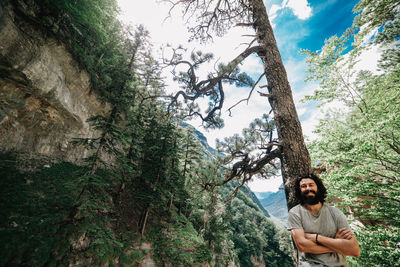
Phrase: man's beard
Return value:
(310, 200)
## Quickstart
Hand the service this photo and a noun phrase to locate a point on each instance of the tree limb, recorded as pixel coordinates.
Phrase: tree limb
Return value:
(248, 97)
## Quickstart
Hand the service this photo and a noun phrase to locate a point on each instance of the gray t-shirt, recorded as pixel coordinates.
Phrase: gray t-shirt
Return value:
(328, 221)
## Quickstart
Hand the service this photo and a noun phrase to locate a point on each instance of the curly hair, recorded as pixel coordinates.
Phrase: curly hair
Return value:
(321, 194)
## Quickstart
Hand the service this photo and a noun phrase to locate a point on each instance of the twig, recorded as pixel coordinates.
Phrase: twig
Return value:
(248, 97)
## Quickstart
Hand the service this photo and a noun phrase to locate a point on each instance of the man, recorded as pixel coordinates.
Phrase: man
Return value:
(321, 233)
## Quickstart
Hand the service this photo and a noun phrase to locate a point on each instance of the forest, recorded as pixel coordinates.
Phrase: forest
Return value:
(146, 188)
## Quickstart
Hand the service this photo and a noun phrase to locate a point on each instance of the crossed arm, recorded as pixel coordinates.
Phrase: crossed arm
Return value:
(344, 243)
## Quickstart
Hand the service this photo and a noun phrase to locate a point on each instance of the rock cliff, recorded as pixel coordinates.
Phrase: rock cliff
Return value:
(45, 96)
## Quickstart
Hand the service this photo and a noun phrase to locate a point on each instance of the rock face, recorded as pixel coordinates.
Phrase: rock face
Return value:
(45, 96)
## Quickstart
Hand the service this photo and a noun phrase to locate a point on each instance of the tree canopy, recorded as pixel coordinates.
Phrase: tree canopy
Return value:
(358, 145)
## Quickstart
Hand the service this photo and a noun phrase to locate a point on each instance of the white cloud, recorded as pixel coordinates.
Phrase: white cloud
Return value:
(368, 60)
(273, 13)
(301, 111)
(295, 71)
(308, 126)
(300, 8)
(154, 16)
(265, 185)
(274, 9)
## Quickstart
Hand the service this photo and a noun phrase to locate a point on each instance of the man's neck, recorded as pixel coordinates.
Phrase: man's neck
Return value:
(314, 209)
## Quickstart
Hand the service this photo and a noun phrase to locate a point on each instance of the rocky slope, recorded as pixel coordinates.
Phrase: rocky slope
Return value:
(45, 96)
(45, 101)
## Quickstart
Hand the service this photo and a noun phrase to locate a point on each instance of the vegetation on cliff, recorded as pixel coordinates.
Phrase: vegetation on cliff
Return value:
(144, 177)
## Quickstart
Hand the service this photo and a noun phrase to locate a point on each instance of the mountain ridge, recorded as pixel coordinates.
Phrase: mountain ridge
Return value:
(274, 203)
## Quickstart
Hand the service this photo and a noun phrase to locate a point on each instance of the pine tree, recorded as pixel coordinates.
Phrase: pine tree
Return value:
(217, 17)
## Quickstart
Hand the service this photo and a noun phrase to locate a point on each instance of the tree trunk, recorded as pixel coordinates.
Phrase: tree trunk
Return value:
(143, 226)
(295, 160)
(171, 202)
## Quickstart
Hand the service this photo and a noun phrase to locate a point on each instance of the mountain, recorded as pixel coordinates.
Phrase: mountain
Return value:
(261, 195)
(111, 190)
(211, 151)
(257, 238)
(250, 194)
(274, 203)
(204, 142)
(201, 138)
(258, 203)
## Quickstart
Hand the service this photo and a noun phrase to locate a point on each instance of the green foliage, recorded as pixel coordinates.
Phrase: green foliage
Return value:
(179, 243)
(377, 245)
(379, 22)
(128, 259)
(255, 143)
(93, 35)
(359, 145)
(255, 235)
(374, 14)
(68, 213)
(36, 229)
(361, 152)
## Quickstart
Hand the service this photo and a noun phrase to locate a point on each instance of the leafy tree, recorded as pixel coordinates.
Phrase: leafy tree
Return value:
(382, 19)
(359, 146)
(252, 153)
(255, 236)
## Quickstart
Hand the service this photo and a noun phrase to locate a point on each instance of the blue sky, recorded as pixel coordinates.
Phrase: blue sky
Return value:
(327, 18)
(298, 24)
(294, 31)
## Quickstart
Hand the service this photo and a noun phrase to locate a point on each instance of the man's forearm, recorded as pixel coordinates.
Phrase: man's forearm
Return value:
(341, 246)
(308, 246)
(307, 242)
(347, 247)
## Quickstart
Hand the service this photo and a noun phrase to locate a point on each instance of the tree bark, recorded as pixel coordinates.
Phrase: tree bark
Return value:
(295, 160)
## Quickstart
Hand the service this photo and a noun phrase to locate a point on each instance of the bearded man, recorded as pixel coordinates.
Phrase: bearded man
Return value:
(320, 232)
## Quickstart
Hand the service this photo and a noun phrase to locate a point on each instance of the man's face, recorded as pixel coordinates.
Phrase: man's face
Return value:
(309, 191)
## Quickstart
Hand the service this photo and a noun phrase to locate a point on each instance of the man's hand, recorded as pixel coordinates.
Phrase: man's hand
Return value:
(344, 233)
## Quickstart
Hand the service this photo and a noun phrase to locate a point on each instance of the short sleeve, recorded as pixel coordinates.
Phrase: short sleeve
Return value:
(294, 220)
(340, 218)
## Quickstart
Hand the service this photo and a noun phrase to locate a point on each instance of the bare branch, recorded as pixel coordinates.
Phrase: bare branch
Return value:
(264, 94)
(248, 97)
(233, 195)
(244, 25)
